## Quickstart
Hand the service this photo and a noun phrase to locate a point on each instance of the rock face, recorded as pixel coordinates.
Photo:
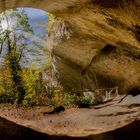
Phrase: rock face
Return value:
(95, 43)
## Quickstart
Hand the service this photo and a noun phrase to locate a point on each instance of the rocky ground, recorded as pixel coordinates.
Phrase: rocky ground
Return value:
(110, 121)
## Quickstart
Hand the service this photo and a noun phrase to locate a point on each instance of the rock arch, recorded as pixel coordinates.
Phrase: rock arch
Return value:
(80, 32)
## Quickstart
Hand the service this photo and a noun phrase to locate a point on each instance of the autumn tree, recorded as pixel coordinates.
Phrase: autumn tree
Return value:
(11, 33)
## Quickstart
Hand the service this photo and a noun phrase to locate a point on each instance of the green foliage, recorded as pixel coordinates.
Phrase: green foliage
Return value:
(13, 59)
(20, 18)
(23, 21)
(36, 100)
(70, 100)
(6, 90)
(19, 87)
(56, 97)
(59, 97)
(84, 101)
(7, 98)
(35, 92)
(34, 87)
(30, 100)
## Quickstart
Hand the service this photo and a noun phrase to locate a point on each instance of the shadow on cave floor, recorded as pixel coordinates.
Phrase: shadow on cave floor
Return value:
(12, 131)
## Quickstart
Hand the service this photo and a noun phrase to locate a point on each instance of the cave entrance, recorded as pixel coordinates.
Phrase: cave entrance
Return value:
(24, 59)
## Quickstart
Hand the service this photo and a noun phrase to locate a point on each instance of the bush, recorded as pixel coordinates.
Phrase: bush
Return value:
(7, 98)
(69, 100)
(83, 101)
(34, 87)
(30, 100)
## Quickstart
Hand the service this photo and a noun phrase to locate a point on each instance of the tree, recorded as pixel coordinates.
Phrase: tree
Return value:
(26, 83)
(10, 33)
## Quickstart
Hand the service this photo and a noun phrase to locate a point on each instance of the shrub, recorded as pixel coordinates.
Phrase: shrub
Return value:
(69, 100)
(7, 98)
(84, 101)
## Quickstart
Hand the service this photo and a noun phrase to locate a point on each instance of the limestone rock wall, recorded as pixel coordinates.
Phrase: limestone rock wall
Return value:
(102, 48)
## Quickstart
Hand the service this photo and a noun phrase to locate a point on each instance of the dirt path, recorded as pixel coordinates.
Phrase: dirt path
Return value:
(76, 122)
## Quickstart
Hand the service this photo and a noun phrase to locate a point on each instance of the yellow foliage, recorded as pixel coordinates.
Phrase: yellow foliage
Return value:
(5, 80)
(51, 19)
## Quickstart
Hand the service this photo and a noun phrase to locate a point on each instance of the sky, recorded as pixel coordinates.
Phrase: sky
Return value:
(34, 13)
(38, 21)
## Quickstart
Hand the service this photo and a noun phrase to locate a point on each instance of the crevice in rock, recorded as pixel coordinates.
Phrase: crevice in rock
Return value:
(129, 50)
(137, 32)
(108, 49)
(111, 3)
(115, 22)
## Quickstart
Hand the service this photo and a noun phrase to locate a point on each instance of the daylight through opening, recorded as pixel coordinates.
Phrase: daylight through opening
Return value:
(24, 62)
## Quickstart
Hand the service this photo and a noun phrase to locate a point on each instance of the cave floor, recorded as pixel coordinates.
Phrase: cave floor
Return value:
(76, 121)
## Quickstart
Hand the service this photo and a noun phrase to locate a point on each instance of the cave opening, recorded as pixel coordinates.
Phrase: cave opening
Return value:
(24, 56)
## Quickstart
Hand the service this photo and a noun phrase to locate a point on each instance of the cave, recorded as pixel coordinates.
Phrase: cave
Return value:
(81, 38)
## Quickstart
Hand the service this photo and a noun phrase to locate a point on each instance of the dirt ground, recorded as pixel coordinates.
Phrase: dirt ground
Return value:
(76, 122)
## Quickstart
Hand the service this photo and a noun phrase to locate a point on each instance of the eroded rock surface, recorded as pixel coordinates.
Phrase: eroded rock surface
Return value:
(98, 45)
